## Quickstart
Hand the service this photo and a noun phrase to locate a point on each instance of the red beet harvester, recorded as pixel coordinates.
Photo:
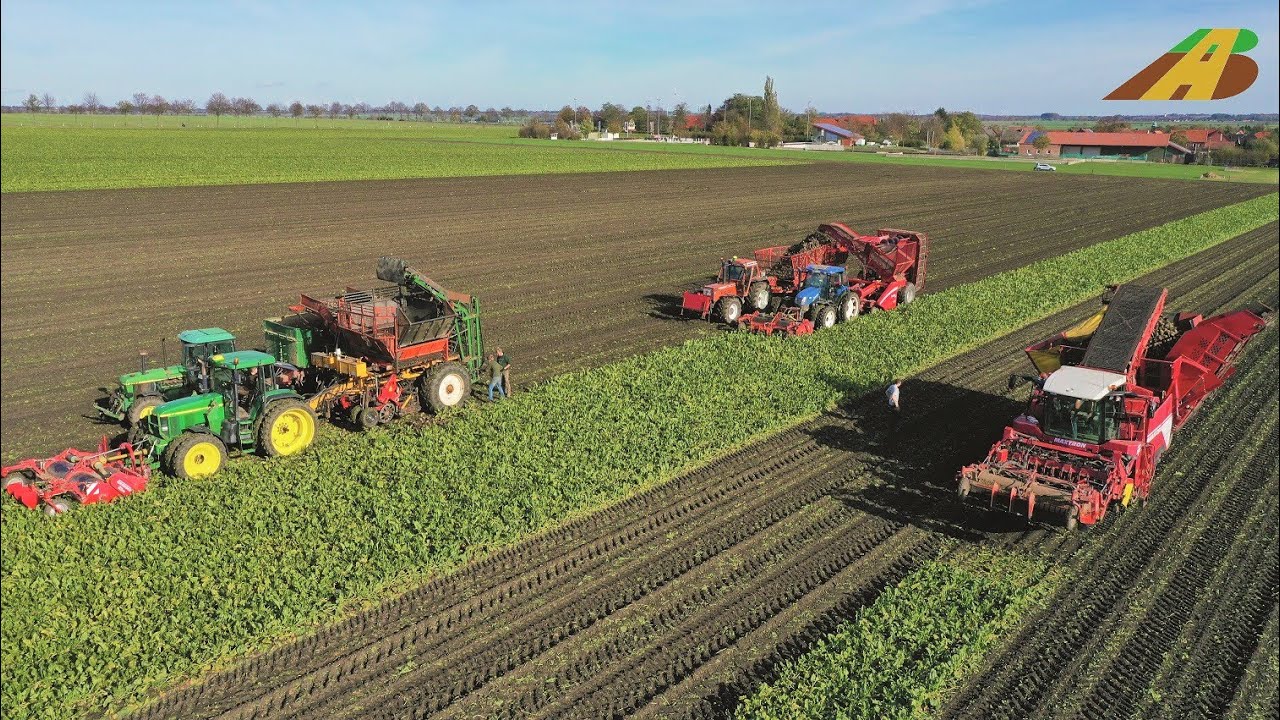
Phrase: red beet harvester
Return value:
(1110, 393)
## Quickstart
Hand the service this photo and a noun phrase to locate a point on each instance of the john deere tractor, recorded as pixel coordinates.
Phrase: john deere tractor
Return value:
(243, 410)
(137, 394)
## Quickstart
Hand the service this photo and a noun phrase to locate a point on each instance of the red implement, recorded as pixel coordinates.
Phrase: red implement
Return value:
(77, 476)
(786, 321)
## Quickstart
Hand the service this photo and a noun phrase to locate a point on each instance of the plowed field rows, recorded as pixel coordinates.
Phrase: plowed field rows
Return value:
(673, 603)
(573, 270)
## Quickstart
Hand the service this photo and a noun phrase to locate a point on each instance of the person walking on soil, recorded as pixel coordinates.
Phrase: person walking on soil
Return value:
(505, 363)
(892, 394)
(495, 376)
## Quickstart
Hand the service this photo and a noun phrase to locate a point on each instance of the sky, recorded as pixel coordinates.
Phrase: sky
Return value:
(907, 55)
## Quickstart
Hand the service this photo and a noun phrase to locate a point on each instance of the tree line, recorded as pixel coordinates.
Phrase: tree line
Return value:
(220, 104)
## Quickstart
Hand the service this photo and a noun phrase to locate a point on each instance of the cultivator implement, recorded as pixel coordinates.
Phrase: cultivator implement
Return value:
(78, 476)
(786, 321)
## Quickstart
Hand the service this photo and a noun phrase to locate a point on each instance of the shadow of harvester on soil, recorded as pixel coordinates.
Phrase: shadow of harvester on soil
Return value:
(917, 454)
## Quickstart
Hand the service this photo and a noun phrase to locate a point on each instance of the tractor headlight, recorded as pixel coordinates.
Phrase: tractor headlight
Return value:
(162, 424)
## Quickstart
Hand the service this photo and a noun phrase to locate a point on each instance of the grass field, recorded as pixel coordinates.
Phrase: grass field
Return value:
(62, 152)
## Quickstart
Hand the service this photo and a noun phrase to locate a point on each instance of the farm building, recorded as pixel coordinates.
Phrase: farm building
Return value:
(1201, 139)
(1114, 145)
(826, 132)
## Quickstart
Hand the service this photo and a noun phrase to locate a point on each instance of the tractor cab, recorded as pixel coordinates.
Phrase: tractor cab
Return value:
(244, 410)
(741, 272)
(822, 284)
(197, 347)
(1081, 405)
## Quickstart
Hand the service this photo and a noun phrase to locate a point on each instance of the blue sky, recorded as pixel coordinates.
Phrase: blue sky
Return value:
(914, 55)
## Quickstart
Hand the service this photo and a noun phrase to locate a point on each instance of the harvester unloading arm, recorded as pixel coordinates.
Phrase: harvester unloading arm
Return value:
(465, 308)
(888, 255)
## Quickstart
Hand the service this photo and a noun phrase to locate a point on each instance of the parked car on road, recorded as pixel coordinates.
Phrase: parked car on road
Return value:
(1046, 166)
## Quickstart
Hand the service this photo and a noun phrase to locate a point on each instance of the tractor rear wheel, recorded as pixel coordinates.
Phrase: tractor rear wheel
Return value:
(907, 294)
(196, 455)
(729, 309)
(367, 418)
(824, 316)
(850, 308)
(758, 297)
(287, 428)
(448, 386)
(141, 408)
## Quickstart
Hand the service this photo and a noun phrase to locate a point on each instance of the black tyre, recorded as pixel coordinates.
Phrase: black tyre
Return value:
(850, 308)
(729, 309)
(824, 316)
(367, 419)
(758, 296)
(907, 294)
(196, 455)
(141, 408)
(447, 386)
(287, 427)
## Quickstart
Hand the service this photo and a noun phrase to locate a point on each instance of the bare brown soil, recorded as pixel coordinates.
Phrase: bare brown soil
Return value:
(572, 270)
(678, 600)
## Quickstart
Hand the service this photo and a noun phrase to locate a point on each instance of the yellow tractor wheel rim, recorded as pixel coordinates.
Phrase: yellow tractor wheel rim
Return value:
(292, 431)
(146, 411)
(202, 460)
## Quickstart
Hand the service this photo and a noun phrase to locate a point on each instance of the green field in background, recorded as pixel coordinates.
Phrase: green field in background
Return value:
(65, 152)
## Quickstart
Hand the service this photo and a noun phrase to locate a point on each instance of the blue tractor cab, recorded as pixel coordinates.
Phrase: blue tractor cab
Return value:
(825, 297)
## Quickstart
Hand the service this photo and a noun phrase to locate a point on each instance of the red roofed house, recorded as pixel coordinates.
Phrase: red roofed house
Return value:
(1201, 139)
(849, 122)
(1116, 145)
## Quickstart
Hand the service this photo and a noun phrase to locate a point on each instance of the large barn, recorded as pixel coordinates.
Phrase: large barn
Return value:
(1115, 145)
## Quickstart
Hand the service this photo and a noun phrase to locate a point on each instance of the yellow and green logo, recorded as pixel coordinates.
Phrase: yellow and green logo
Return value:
(1208, 65)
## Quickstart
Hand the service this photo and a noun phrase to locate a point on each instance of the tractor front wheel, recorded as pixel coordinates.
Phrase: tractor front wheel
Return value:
(850, 308)
(287, 428)
(448, 386)
(758, 297)
(824, 316)
(907, 294)
(729, 309)
(196, 455)
(141, 408)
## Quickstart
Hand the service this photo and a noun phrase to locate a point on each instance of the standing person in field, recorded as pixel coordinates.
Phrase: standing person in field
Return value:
(892, 394)
(505, 363)
(495, 376)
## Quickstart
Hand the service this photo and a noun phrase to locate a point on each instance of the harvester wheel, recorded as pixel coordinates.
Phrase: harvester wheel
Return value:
(850, 308)
(287, 428)
(729, 309)
(758, 296)
(55, 507)
(448, 386)
(824, 316)
(141, 408)
(367, 418)
(907, 294)
(196, 455)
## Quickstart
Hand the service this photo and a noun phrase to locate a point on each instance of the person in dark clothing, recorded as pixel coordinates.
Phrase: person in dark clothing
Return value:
(505, 363)
(495, 376)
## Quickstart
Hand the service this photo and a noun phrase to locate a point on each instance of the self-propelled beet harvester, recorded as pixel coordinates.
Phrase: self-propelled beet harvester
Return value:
(1109, 395)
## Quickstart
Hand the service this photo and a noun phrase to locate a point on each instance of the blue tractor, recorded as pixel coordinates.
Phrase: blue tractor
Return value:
(826, 297)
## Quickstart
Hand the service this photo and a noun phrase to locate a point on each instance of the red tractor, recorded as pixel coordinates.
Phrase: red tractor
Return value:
(1109, 394)
(750, 283)
(892, 265)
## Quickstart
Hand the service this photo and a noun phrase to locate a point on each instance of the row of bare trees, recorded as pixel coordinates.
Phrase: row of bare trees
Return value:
(219, 104)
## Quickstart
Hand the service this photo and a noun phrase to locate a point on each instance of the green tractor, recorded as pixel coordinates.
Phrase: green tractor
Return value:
(243, 410)
(137, 394)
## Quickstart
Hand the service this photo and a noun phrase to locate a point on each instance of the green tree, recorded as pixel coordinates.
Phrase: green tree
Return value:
(771, 110)
(953, 139)
(32, 103)
(566, 114)
(640, 117)
(968, 123)
(1041, 142)
(679, 119)
(978, 143)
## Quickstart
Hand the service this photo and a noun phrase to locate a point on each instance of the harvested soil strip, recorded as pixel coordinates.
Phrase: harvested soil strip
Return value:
(573, 270)
(673, 602)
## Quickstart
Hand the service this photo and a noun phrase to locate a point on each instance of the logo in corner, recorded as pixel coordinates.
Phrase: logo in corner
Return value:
(1208, 65)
